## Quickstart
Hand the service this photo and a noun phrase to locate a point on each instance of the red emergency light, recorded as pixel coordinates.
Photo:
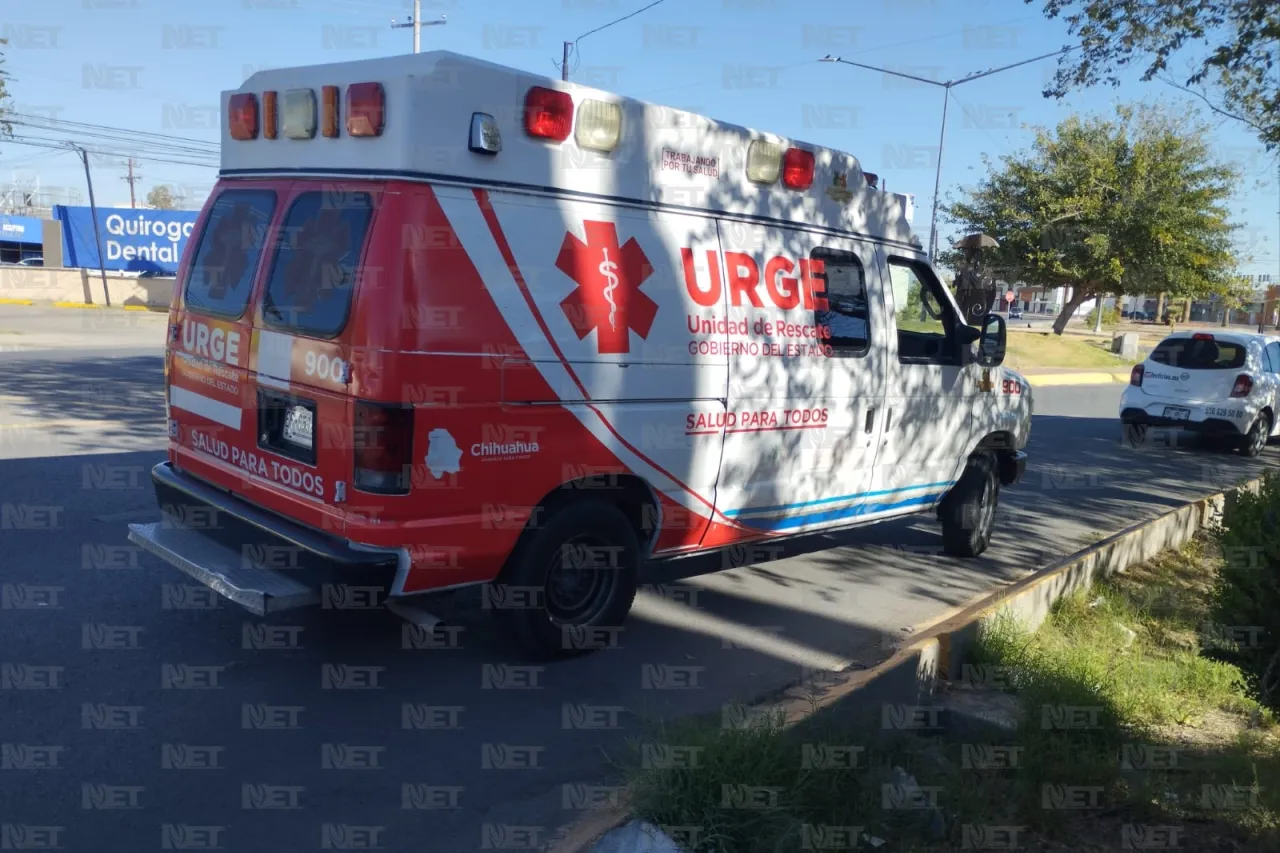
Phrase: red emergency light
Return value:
(366, 109)
(548, 114)
(797, 169)
(242, 114)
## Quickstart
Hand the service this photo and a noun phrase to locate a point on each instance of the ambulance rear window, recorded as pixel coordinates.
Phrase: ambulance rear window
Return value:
(221, 276)
(315, 265)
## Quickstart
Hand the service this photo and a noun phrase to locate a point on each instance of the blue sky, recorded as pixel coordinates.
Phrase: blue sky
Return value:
(751, 62)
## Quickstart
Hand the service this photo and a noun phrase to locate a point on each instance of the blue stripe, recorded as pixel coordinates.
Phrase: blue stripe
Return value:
(731, 513)
(837, 514)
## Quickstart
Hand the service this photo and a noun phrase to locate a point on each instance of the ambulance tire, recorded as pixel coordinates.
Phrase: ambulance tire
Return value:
(968, 511)
(553, 627)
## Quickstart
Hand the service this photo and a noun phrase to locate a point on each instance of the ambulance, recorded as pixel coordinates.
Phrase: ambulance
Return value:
(446, 324)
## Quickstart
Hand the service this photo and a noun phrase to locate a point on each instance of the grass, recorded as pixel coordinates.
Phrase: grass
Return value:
(1129, 732)
(1031, 350)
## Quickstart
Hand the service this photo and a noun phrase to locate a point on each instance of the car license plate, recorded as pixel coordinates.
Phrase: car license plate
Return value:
(298, 426)
(1175, 413)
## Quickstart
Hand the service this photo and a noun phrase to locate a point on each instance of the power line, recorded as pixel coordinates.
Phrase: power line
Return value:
(64, 146)
(573, 45)
(114, 134)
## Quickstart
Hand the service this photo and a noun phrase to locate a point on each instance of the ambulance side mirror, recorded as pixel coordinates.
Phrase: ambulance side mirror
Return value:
(991, 341)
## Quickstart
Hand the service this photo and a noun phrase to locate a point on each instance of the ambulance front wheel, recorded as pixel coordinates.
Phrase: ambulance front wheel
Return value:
(570, 584)
(968, 511)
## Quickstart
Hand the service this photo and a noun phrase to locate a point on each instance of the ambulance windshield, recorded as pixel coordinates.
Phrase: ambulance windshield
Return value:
(222, 273)
(315, 264)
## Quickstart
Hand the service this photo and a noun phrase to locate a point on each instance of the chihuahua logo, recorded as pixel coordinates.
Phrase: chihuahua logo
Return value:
(839, 189)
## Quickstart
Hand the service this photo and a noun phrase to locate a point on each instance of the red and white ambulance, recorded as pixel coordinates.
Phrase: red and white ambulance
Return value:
(445, 323)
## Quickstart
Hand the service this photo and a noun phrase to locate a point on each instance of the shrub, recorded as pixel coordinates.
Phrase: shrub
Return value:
(1246, 597)
(1110, 317)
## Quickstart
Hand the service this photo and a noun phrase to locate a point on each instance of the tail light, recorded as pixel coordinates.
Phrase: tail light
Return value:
(1243, 386)
(1135, 376)
(1202, 336)
(383, 445)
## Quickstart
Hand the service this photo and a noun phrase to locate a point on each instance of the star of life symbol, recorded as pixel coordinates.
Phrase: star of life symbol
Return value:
(607, 299)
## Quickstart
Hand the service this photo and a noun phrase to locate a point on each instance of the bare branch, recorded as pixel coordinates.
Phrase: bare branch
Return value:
(1164, 78)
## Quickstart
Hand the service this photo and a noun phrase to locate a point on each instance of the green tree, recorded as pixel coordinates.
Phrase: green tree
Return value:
(161, 197)
(1131, 204)
(1230, 46)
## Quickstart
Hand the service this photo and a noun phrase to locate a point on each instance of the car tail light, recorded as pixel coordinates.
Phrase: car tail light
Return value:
(1243, 386)
(797, 169)
(1135, 376)
(548, 114)
(366, 109)
(382, 439)
(1202, 336)
(243, 116)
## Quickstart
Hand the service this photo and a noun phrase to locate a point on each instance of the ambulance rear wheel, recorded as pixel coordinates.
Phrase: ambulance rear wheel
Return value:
(571, 583)
(968, 512)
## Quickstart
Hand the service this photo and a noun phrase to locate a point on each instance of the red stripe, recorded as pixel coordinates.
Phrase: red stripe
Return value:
(495, 228)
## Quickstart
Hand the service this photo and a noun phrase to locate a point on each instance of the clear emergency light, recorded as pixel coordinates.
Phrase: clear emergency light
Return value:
(299, 114)
(599, 125)
(764, 161)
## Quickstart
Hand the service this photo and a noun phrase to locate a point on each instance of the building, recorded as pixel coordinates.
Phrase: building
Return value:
(134, 240)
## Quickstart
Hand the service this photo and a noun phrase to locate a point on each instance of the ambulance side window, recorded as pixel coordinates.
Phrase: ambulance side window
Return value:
(221, 275)
(925, 318)
(847, 316)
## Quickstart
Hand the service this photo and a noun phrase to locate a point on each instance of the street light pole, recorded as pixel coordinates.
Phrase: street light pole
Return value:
(946, 86)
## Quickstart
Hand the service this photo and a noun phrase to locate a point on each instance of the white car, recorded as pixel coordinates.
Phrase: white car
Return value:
(1221, 385)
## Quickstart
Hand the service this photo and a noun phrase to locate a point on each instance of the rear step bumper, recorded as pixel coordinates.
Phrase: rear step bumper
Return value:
(259, 560)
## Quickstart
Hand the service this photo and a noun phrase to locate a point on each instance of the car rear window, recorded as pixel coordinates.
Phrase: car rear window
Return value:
(1198, 354)
(221, 275)
(315, 264)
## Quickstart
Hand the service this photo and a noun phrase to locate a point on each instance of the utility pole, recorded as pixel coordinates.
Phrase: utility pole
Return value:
(93, 210)
(132, 179)
(416, 24)
(564, 63)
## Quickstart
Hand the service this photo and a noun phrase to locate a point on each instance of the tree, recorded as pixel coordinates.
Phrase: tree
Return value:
(161, 198)
(1231, 46)
(1133, 204)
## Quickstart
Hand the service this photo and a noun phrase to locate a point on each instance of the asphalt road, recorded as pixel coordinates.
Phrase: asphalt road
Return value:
(132, 716)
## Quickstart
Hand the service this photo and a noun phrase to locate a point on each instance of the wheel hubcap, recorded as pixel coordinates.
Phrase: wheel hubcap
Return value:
(1260, 435)
(987, 506)
(580, 579)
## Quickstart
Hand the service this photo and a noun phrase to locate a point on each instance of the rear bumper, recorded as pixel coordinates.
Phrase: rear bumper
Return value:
(1206, 426)
(259, 560)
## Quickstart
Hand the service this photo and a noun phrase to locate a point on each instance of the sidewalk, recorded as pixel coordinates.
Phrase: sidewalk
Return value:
(1041, 377)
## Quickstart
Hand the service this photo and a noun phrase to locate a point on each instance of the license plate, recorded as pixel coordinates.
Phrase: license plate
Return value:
(298, 426)
(1172, 412)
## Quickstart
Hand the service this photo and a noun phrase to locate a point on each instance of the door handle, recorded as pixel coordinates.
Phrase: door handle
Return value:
(871, 420)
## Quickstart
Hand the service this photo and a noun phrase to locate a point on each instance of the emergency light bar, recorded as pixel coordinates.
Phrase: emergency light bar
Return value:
(243, 116)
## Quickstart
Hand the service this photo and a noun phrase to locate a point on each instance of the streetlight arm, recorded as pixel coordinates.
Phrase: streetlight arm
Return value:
(883, 70)
(991, 71)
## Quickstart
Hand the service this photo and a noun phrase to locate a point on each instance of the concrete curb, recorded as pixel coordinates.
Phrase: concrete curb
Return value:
(1043, 380)
(154, 309)
(911, 675)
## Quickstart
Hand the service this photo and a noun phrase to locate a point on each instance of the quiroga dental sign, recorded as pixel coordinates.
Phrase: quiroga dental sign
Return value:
(134, 240)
